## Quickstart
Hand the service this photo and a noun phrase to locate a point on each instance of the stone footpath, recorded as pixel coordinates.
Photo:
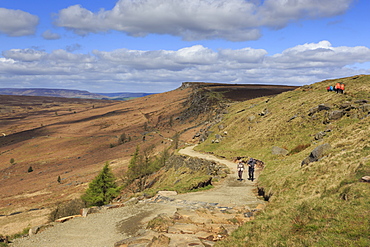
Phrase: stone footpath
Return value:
(194, 223)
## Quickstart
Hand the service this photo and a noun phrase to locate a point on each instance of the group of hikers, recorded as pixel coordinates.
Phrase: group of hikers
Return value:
(338, 88)
(240, 167)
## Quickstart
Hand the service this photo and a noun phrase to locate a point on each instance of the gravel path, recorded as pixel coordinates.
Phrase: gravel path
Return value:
(230, 192)
(112, 225)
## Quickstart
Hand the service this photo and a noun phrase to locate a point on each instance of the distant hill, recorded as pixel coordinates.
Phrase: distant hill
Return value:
(68, 93)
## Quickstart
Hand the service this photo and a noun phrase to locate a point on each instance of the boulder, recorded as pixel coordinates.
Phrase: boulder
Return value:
(279, 151)
(319, 151)
(33, 230)
(324, 107)
(321, 107)
(366, 108)
(335, 115)
(313, 110)
(366, 179)
(316, 154)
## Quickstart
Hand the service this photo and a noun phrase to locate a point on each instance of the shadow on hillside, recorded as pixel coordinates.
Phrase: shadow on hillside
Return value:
(22, 136)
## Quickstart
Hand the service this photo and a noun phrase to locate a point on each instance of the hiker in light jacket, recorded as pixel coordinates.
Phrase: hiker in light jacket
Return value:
(240, 169)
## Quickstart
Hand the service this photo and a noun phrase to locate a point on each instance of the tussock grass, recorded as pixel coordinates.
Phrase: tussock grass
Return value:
(323, 203)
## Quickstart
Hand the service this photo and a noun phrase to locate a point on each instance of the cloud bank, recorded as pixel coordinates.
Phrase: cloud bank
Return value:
(163, 70)
(15, 23)
(233, 20)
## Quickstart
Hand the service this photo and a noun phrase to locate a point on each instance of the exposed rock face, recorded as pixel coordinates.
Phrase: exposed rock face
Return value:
(279, 151)
(316, 154)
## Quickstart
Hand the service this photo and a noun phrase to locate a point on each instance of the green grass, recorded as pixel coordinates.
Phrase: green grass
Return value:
(323, 203)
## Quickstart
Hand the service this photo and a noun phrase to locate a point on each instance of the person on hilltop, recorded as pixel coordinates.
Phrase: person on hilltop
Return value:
(330, 88)
(240, 169)
(341, 89)
(337, 87)
(251, 164)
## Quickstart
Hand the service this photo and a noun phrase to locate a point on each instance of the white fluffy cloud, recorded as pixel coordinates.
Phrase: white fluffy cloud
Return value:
(163, 70)
(234, 20)
(17, 22)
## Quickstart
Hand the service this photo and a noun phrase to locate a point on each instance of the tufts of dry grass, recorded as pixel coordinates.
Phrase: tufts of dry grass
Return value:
(321, 204)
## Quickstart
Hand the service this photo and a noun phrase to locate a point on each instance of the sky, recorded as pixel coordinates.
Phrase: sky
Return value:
(153, 46)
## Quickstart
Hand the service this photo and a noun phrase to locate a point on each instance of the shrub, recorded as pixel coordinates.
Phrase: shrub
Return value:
(102, 189)
(67, 209)
(30, 169)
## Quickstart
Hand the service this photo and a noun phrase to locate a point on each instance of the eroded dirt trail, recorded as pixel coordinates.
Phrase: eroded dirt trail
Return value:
(230, 192)
(109, 226)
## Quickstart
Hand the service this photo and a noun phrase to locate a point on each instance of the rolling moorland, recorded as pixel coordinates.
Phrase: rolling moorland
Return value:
(73, 138)
(67, 93)
(315, 145)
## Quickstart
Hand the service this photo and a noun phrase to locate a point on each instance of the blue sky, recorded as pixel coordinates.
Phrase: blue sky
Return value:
(155, 45)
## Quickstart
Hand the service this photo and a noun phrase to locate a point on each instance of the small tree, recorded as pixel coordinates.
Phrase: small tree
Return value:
(102, 189)
(30, 169)
(59, 179)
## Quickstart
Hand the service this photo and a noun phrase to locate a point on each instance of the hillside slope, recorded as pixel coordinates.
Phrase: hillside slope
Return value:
(72, 139)
(47, 138)
(321, 203)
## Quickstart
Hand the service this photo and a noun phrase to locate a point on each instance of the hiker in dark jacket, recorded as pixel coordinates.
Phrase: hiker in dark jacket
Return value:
(251, 164)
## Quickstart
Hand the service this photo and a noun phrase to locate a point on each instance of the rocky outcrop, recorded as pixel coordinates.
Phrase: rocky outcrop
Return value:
(316, 154)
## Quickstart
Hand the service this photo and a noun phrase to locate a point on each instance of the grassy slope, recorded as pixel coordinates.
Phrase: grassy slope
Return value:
(322, 204)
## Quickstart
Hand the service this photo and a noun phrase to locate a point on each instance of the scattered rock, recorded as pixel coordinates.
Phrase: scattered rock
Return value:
(324, 107)
(167, 193)
(33, 230)
(279, 151)
(363, 101)
(290, 119)
(251, 118)
(64, 219)
(160, 241)
(321, 107)
(85, 212)
(161, 223)
(366, 108)
(335, 115)
(320, 135)
(264, 112)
